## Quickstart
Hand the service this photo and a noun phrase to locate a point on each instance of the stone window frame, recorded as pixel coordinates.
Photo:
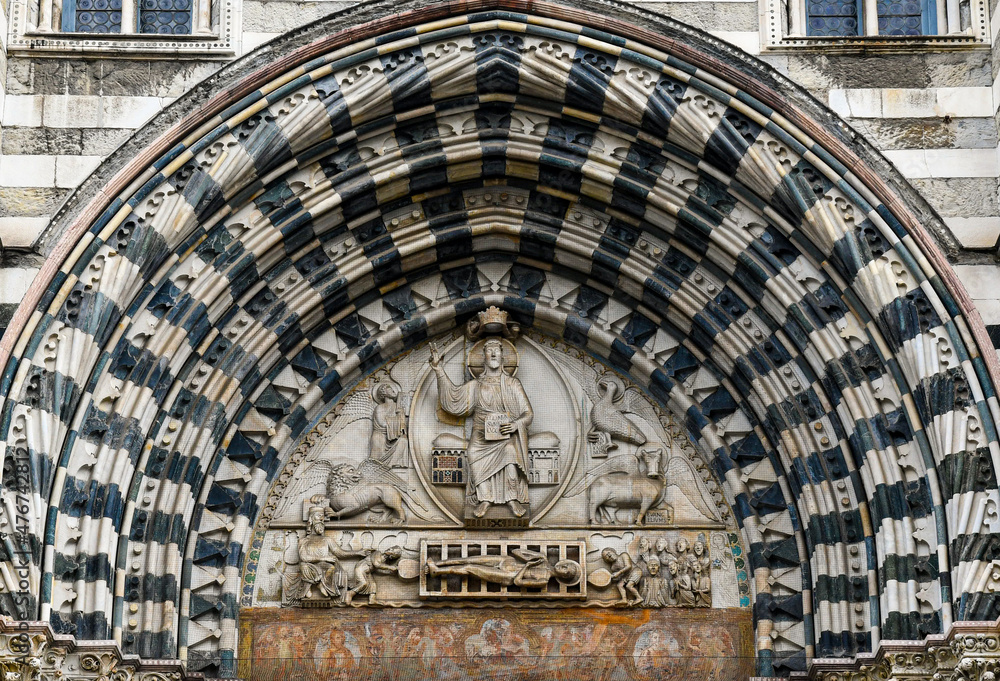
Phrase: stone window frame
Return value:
(783, 27)
(35, 29)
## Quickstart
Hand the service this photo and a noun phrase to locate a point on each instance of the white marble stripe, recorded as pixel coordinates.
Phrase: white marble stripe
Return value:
(912, 102)
(926, 163)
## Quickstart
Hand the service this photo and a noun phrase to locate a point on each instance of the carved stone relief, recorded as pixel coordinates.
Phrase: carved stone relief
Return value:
(496, 466)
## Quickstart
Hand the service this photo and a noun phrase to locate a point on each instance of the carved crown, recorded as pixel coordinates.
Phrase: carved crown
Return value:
(492, 322)
(493, 316)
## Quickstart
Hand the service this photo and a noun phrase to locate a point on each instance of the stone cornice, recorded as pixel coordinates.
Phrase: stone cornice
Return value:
(31, 650)
(969, 651)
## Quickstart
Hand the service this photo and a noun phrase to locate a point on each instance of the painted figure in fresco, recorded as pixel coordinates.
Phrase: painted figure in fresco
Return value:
(656, 653)
(319, 562)
(388, 443)
(336, 655)
(498, 449)
(497, 638)
(624, 574)
(528, 569)
(364, 572)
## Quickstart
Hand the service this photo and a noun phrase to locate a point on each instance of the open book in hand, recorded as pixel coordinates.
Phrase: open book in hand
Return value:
(493, 423)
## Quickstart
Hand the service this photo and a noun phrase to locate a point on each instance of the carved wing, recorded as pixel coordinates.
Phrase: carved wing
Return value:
(372, 471)
(407, 374)
(633, 401)
(679, 469)
(356, 407)
(312, 479)
(623, 463)
(587, 375)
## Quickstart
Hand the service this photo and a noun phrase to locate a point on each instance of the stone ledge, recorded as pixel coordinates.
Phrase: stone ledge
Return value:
(876, 44)
(132, 45)
(30, 650)
(970, 651)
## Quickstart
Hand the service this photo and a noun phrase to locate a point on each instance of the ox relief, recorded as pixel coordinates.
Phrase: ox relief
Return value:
(495, 467)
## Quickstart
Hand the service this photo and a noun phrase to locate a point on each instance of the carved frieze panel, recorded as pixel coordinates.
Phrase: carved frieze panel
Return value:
(497, 466)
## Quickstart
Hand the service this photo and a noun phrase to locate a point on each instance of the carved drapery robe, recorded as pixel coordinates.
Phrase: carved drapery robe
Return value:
(388, 441)
(498, 469)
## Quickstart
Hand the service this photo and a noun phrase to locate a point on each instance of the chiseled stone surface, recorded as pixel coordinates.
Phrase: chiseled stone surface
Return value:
(960, 196)
(929, 133)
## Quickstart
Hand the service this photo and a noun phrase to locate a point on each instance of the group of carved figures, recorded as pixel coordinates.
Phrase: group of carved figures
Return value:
(627, 481)
(662, 575)
(321, 570)
(631, 477)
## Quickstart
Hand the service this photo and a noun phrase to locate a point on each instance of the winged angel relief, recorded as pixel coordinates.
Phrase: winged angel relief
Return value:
(347, 482)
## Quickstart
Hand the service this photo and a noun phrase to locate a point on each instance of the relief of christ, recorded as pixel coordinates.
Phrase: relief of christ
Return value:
(497, 452)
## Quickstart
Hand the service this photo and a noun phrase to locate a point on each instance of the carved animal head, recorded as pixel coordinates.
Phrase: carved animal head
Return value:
(342, 478)
(610, 387)
(651, 458)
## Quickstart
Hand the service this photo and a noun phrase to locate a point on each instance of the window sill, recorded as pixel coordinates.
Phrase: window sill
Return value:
(876, 44)
(110, 45)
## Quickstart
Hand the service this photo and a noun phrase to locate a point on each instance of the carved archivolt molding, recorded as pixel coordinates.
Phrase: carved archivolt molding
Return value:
(630, 194)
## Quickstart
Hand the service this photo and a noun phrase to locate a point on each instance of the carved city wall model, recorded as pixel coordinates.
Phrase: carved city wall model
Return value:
(512, 319)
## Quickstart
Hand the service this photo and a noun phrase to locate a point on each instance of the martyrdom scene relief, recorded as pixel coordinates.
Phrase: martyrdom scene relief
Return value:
(495, 466)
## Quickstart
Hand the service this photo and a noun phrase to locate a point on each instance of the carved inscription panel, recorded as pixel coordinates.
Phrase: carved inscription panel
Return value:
(496, 466)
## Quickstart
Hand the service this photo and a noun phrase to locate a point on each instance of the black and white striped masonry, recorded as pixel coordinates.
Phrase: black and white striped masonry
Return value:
(643, 193)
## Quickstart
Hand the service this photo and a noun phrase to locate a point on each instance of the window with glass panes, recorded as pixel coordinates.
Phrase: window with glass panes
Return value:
(164, 17)
(834, 18)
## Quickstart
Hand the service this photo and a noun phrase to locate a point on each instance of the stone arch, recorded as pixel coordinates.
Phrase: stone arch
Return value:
(626, 185)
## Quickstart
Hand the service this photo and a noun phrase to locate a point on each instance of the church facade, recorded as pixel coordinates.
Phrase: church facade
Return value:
(499, 339)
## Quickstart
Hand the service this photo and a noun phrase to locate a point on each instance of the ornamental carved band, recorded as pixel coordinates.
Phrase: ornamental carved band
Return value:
(969, 652)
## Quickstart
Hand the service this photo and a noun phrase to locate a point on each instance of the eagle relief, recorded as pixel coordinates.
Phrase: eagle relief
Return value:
(496, 467)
